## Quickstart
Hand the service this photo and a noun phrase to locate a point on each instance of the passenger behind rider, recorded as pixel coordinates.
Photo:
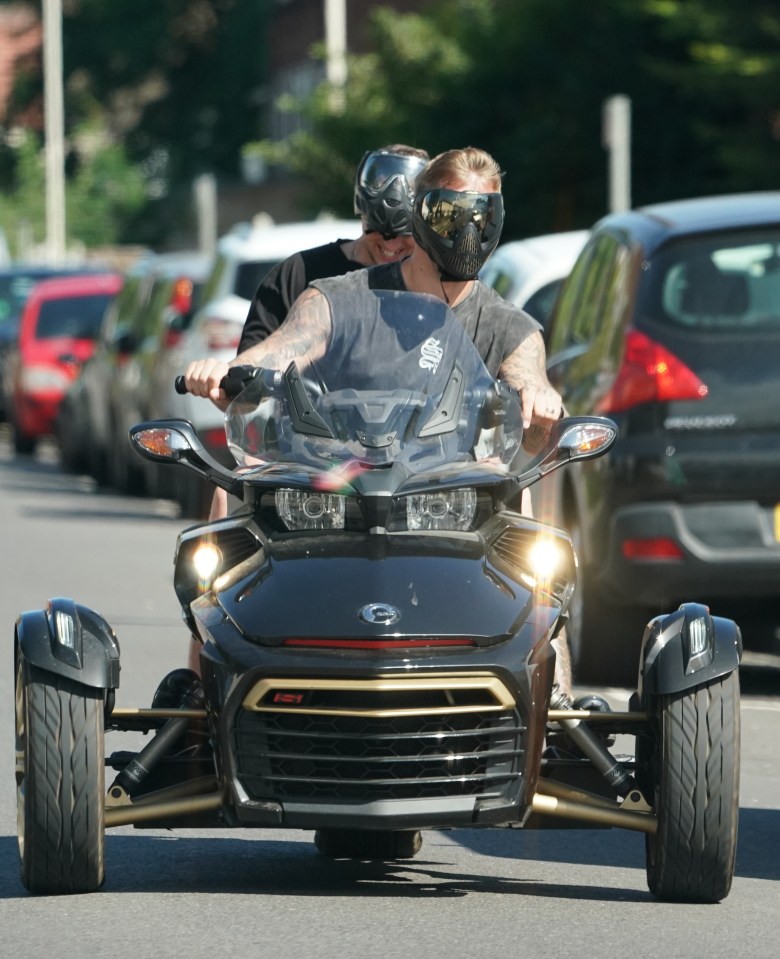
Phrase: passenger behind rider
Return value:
(383, 193)
(456, 221)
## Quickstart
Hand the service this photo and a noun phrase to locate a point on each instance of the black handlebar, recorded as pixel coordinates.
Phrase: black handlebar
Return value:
(234, 381)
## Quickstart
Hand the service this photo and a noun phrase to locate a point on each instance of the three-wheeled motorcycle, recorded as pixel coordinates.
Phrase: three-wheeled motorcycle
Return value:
(374, 630)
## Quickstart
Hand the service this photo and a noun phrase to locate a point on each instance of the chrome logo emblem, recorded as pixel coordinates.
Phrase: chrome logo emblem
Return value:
(379, 614)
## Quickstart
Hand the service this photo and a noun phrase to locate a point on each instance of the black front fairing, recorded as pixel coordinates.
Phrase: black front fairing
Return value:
(376, 596)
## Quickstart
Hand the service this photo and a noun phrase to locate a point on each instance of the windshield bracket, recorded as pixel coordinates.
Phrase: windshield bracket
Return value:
(304, 417)
(444, 418)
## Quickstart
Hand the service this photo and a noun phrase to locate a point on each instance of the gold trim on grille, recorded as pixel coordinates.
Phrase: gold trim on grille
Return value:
(503, 699)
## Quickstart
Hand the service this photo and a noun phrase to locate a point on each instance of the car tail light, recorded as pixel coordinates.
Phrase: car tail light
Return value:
(656, 547)
(650, 373)
(214, 438)
(181, 298)
(172, 338)
(221, 334)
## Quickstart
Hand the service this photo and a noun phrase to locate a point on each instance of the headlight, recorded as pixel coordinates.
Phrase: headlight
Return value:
(452, 509)
(545, 559)
(304, 509)
(206, 560)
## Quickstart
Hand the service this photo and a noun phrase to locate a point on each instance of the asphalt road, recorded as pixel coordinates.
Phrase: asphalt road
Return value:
(468, 893)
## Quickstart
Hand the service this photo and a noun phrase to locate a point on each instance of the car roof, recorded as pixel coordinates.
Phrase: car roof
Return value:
(84, 283)
(272, 241)
(537, 260)
(653, 224)
(191, 263)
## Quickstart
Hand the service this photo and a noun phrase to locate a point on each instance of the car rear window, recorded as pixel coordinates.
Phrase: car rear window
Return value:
(724, 283)
(75, 316)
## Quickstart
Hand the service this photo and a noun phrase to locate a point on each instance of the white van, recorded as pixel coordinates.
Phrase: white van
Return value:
(243, 258)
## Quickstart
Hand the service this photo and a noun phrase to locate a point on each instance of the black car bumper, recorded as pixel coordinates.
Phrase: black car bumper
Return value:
(659, 553)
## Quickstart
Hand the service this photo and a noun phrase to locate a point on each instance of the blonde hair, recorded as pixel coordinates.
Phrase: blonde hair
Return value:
(460, 165)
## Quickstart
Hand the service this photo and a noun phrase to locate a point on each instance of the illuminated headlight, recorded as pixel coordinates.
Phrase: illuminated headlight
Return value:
(206, 560)
(452, 509)
(305, 509)
(545, 559)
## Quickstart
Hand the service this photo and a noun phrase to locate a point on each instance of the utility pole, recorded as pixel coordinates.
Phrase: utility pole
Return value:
(616, 136)
(205, 188)
(336, 49)
(54, 127)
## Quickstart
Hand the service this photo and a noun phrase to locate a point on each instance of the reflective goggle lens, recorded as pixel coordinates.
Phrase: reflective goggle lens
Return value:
(447, 211)
(379, 168)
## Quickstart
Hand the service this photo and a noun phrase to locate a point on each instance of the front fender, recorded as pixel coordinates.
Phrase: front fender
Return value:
(687, 648)
(71, 641)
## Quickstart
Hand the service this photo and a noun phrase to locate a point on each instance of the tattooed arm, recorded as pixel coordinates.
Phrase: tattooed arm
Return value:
(525, 370)
(302, 337)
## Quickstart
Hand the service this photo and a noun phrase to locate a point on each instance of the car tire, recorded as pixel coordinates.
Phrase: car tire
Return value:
(24, 445)
(194, 495)
(368, 843)
(604, 638)
(59, 782)
(124, 476)
(691, 772)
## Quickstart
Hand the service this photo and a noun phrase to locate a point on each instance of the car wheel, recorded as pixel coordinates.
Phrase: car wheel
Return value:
(194, 495)
(690, 769)
(368, 843)
(604, 638)
(59, 782)
(124, 475)
(24, 445)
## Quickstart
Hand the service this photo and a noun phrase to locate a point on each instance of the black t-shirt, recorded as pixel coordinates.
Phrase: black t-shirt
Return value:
(284, 283)
(496, 327)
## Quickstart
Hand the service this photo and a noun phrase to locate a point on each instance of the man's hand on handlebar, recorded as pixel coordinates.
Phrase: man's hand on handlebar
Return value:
(203, 378)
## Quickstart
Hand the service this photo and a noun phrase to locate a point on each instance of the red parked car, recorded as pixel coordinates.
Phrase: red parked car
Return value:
(57, 334)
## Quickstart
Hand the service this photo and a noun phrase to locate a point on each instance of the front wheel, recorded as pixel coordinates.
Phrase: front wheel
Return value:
(59, 782)
(693, 769)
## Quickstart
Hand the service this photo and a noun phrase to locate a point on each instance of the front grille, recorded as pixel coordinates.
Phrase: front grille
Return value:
(361, 741)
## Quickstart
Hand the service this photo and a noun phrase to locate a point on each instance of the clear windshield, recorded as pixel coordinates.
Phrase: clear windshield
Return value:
(400, 382)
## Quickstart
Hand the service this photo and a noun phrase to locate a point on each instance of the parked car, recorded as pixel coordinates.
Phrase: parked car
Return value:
(87, 401)
(529, 273)
(669, 323)
(57, 334)
(244, 256)
(16, 284)
(162, 314)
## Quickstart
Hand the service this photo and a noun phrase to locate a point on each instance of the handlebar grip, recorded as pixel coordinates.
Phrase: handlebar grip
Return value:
(235, 380)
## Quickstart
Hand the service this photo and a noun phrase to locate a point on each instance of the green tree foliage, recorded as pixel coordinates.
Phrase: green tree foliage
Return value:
(527, 81)
(167, 87)
(104, 190)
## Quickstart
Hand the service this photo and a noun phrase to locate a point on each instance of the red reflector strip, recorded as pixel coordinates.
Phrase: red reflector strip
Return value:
(660, 547)
(378, 643)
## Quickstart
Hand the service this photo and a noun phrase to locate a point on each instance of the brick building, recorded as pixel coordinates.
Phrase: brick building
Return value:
(21, 39)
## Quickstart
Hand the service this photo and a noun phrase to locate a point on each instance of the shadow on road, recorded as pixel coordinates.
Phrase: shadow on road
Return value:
(190, 862)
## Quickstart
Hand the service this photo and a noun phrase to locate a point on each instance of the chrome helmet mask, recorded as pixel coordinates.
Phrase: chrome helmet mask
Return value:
(458, 229)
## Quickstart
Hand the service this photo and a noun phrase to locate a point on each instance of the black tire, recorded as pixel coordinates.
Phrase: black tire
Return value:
(23, 445)
(604, 638)
(368, 843)
(194, 495)
(693, 770)
(60, 778)
(125, 475)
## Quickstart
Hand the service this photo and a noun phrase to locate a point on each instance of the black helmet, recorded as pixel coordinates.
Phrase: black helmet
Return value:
(384, 185)
(458, 229)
